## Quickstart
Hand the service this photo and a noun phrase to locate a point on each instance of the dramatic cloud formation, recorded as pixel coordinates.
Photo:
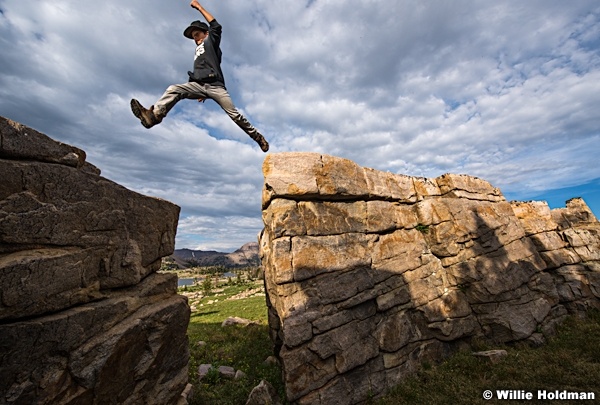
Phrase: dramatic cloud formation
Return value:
(507, 91)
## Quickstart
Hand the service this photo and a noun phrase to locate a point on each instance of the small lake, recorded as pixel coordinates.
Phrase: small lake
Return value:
(190, 281)
(185, 281)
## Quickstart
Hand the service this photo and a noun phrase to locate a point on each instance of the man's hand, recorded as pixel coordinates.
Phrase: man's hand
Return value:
(195, 4)
(198, 6)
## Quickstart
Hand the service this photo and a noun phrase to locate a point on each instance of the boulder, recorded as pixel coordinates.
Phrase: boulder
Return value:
(368, 274)
(494, 356)
(237, 321)
(84, 316)
(227, 372)
(263, 394)
(203, 371)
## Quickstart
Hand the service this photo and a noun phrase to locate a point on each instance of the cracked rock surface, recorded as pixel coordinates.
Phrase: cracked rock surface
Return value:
(84, 317)
(370, 273)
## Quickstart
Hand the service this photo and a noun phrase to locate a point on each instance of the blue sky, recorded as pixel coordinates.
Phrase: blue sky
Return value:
(590, 192)
(508, 91)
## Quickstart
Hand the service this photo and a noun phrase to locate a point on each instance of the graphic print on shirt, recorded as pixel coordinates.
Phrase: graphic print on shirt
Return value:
(199, 50)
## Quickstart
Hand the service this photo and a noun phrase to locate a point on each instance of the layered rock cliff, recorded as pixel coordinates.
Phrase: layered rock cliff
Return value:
(369, 274)
(84, 317)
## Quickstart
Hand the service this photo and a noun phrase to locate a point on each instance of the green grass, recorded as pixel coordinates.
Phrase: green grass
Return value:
(244, 348)
(568, 361)
(253, 308)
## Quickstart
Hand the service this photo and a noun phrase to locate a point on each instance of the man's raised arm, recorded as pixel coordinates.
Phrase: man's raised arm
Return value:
(208, 16)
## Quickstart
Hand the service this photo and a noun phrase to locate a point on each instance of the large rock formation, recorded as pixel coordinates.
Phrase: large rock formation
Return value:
(370, 273)
(84, 317)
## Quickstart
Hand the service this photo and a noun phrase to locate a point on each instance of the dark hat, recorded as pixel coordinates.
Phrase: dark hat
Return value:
(195, 25)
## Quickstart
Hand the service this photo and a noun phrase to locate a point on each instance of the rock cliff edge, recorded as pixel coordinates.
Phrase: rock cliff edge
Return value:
(84, 317)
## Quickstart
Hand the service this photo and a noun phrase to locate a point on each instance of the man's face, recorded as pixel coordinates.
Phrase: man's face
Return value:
(199, 36)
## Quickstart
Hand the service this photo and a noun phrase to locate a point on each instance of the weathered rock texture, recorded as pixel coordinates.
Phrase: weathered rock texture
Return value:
(84, 317)
(369, 273)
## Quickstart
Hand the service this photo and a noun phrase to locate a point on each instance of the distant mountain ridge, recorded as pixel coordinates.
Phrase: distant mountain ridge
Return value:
(246, 256)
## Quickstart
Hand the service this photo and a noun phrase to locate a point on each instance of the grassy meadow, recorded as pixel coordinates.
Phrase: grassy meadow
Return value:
(569, 361)
(244, 348)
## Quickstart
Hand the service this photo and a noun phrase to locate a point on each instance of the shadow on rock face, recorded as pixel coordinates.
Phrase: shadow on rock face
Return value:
(369, 274)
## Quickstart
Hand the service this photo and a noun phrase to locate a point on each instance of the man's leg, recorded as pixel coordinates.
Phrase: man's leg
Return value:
(155, 114)
(177, 92)
(221, 96)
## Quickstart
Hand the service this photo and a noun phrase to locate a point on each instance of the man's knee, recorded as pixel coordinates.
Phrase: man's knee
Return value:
(173, 89)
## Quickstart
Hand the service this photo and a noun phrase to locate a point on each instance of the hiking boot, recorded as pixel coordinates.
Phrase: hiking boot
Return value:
(261, 141)
(146, 116)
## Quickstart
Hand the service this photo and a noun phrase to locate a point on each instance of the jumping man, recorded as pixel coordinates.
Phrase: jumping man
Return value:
(206, 81)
